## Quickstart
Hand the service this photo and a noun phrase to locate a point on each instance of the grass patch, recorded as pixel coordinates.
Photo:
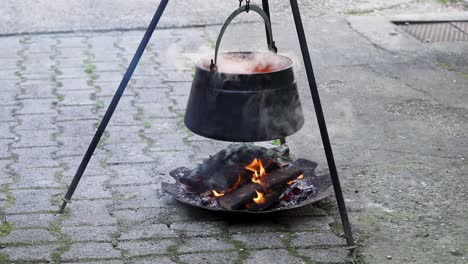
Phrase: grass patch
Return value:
(146, 124)
(276, 142)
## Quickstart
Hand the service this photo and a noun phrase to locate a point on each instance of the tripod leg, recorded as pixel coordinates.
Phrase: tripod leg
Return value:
(322, 124)
(113, 104)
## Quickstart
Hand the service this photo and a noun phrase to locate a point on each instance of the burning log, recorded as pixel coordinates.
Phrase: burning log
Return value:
(269, 200)
(270, 183)
(222, 170)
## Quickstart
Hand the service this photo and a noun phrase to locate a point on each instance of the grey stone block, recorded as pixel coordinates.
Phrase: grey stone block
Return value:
(137, 196)
(135, 174)
(311, 239)
(29, 201)
(199, 228)
(261, 240)
(93, 188)
(37, 106)
(152, 260)
(90, 250)
(147, 231)
(328, 255)
(37, 138)
(30, 253)
(78, 97)
(196, 244)
(90, 233)
(209, 258)
(98, 262)
(135, 248)
(273, 256)
(74, 84)
(300, 223)
(128, 153)
(38, 177)
(30, 220)
(36, 122)
(28, 236)
(72, 112)
(125, 134)
(6, 113)
(92, 213)
(35, 157)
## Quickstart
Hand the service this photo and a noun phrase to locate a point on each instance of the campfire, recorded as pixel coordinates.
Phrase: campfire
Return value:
(246, 177)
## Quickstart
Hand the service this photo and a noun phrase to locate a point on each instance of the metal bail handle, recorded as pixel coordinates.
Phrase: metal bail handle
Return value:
(238, 11)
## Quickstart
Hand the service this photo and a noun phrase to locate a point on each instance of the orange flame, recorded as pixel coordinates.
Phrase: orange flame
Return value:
(260, 198)
(289, 182)
(258, 170)
(217, 194)
(300, 177)
(228, 190)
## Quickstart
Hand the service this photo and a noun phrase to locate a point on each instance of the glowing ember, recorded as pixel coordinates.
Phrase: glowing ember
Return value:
(290, 182)
(300, 177)
(259, 199)
(258, 170)
(217, 194)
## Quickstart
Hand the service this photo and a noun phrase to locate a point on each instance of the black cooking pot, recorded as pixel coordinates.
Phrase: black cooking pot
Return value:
(244, 96)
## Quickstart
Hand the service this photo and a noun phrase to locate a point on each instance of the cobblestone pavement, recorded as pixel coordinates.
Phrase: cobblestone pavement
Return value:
(54, 90)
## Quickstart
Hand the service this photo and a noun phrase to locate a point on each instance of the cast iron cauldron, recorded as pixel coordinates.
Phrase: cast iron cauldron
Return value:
(244, 96)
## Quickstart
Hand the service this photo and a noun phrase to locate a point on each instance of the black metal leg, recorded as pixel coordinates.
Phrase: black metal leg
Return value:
(266, 8)
(114, 102)
(322, 124)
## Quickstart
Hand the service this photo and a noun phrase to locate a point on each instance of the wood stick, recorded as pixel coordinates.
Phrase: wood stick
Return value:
(276, 179)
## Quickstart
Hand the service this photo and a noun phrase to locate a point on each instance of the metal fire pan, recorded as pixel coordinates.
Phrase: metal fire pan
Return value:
(322, 183)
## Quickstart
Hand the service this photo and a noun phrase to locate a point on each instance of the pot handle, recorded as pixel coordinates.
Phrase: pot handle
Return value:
(241, 9)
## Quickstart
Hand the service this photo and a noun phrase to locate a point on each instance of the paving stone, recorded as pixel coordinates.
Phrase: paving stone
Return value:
(71, 41)
(28, 236)
(38, 177)
(152, 260)
(38, 138)
(91, 233)
(146, 247)
(7, 98)
(139, 216)
(5, 130)
(74, 84)
(125, 134)
(261, 240)
(137, 196)
(73, 146)
(181, 88)
(34, 91)
(127, 153)
(9, 86)
(209, 258)
(36, 106)
(168, 161)
(28, 201)
(329, 255)
(162, 126)
(30, 253)
(94, 166)
(78, 97)
(180, 102)
(298, 223)
(78, 128)
(196, 244)
(199, 228)
(163, 142)
(157, 111)
(259, 226)
(310, 239)
(148, 231)
(178, 76)
(72, 112)
(153, 95)
(5, 114)
(8, 74)
(90, 213)
(136, 174)
(99, 262)
(90, 250)
(93, 188)
(4, 152)
(36, 122)
(273, 256)
(35, 157)
(30, 220)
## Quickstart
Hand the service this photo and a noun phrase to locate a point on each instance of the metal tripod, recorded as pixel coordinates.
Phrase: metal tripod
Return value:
(313, 89)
